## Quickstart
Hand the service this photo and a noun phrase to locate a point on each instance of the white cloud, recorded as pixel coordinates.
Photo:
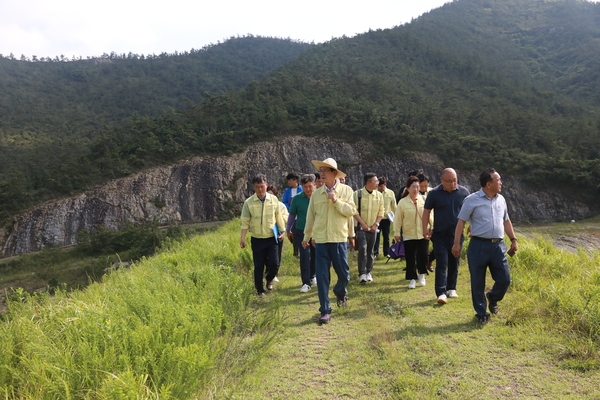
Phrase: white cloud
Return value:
(69, 27)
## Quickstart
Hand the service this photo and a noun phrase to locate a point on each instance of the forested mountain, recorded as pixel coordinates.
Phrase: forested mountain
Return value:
(75, 98)
(512, 84)
(52, 110)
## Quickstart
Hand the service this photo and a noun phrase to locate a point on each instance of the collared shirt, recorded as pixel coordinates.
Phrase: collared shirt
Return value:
(289, 194)
(299, 207)
(389, 202)
(371, 205)
(407, 218)
(329, 222)
(259, 217)
(486, 216)
(445, 206)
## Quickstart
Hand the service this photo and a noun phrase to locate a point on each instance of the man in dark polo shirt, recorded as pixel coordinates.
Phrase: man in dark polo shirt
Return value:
(487, 214)
(445, 200)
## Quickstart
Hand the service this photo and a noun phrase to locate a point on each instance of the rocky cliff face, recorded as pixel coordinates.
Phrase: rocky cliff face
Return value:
(208, 188)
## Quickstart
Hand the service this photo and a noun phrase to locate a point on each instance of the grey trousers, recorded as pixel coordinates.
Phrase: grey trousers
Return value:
(366, 257)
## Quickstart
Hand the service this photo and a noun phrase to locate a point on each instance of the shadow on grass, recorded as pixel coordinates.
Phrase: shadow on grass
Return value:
(420, 331)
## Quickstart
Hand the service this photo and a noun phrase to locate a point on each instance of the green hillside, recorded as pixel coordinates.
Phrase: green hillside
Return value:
(76, 98)
(504, 83)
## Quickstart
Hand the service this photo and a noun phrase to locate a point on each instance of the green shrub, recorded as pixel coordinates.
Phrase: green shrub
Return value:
(156, 330)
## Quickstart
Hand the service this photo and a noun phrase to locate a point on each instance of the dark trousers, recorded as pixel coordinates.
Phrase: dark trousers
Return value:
(446, 265)
(416, 257)
(366, 258)
(384, 230)
(480, 256)
(307, 262)
(264, 254)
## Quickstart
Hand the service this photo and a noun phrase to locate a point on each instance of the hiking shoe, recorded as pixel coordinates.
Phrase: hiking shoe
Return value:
(261, 294)
(493, 305)
(270, 285)
(324, 318)
(275, 280)
(483, 319)
(422, 281)
(452, 294)
(369, 277)
(342, 300)
(412, 284)
(313, 281)
(442, 299)
(363, 278)
(305, 288)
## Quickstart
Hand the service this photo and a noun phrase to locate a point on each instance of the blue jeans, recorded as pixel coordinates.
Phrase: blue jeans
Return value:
(366, 257)
(264, 254)
(481, 255)
(325, 255)
(446, 265)
(307, 268)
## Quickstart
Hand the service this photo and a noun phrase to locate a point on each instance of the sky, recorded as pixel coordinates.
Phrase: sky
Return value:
(49, 28)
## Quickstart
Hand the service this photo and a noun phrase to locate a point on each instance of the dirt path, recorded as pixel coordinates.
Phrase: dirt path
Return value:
(392, 342)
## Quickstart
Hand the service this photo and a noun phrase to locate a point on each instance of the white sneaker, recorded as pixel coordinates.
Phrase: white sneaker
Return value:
(369, 277)
(363, 278)
(313, 281)
(422, 280)
(452, 294)
(412, 284)
(305, 288)
(442, 299)
(275, 280)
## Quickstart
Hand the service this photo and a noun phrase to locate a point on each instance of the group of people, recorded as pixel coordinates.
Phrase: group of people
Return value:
(324, 218)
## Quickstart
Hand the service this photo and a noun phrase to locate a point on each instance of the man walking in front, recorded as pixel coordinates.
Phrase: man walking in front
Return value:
(329, 222)
(445, 200)
(260, 215)
(487, 214)
(369, 202)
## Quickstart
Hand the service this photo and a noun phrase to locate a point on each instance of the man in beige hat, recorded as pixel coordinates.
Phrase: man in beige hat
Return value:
(329, 222)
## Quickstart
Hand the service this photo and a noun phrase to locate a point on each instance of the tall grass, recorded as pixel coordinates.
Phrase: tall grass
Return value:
(171, 326)
(560, 290)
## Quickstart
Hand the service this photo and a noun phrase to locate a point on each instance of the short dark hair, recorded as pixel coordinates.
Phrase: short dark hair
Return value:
(486, 176)
(423, 178)
(259, 178)
(307, 178)
(369, 175)
(291, 176)
(317, 175)
(382, 180)
(409, 181)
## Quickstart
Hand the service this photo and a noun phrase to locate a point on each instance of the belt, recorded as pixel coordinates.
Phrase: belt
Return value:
(486, 239)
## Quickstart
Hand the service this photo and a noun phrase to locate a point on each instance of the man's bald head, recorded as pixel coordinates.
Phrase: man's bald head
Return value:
(449, 179)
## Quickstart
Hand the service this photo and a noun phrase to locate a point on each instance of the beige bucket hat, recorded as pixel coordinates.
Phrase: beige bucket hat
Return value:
(328, 163)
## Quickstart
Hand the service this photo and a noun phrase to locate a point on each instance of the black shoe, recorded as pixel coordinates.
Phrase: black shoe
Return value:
(483, 319)
(342, 300)
(493, 305)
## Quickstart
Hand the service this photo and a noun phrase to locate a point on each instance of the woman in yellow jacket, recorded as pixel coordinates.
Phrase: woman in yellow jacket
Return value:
(409, 228)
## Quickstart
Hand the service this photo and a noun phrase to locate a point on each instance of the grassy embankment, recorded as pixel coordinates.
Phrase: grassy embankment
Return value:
(184, 324)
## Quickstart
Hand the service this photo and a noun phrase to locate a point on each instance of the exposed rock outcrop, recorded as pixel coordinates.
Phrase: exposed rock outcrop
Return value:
(208, 188)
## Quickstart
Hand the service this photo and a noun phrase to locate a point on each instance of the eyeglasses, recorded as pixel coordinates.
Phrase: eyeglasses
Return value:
(323, 170)
(449, 180)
